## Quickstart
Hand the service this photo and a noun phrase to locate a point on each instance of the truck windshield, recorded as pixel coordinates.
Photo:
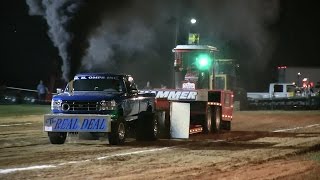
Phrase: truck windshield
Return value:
(109, 85)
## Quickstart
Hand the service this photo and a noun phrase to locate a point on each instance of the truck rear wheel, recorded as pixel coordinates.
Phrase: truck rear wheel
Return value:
(146, 127)
(207, 125)
(216, 126)
(57, 137)
(117, 136)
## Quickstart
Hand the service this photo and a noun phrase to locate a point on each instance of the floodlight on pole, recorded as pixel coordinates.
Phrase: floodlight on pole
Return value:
(193, 20)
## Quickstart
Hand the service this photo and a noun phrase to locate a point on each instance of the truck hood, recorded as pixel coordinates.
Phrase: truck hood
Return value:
(88, 96)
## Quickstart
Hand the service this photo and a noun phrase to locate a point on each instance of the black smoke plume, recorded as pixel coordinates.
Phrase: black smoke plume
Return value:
(58, 14)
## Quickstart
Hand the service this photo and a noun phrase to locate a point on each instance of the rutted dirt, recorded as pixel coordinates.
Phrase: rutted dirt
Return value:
(261, 145)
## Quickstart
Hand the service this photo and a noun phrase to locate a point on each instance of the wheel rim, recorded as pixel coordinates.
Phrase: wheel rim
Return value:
(218, 119)
(209, 123)
(121, 131)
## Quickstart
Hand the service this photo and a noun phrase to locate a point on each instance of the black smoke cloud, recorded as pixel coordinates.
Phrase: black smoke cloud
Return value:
(136, 36)
(107, 40)
(85, 22)
(122, 36)
(242, 30)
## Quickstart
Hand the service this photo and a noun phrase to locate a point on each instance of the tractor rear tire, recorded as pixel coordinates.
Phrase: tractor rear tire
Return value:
(216, 126)
(207, 124)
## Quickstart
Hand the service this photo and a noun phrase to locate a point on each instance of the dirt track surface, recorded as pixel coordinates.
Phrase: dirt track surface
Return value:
(261, 145)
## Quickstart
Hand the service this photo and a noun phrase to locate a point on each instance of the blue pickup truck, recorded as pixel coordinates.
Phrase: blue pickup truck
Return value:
(102, 104)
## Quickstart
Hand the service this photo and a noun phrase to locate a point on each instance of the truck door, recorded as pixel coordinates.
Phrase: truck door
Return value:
(132, 101)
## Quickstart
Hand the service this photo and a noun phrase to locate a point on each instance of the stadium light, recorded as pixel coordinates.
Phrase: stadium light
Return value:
(193, 20)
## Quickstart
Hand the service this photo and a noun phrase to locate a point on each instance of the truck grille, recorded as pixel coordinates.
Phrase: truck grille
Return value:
(80, 106)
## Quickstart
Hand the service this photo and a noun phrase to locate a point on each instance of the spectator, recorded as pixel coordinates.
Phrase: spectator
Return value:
(148, 86)
(42, 91)
(19, 97)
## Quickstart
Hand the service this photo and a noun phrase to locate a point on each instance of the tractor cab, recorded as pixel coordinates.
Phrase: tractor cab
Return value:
(194, 66)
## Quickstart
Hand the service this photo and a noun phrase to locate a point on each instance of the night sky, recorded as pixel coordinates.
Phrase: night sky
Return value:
(142, 47)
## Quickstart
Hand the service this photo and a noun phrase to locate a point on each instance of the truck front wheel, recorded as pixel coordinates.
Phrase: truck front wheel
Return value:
(57, 137)
(117, 135)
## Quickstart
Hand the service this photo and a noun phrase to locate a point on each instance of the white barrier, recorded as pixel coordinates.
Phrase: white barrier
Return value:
(180, 120)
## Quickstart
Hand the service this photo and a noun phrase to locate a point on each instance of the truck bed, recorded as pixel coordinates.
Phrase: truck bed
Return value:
(258, 95)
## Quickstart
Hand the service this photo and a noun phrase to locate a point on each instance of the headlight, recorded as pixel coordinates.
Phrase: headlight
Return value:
(56, 104)
(108, 105)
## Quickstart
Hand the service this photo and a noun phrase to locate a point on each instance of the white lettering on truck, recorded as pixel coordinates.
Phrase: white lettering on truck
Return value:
(161, 94)
(174, 95)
